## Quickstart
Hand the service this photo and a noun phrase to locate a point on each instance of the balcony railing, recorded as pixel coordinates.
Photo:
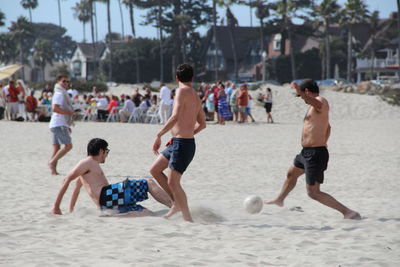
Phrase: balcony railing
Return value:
(376, 63)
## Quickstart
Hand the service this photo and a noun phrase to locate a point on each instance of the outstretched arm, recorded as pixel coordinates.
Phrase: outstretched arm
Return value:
(75, 195)
(79, 170)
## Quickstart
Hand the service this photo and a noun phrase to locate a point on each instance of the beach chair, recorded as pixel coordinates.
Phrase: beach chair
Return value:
(137, 115)
(90, 114)
(153, 116)
(114, 115)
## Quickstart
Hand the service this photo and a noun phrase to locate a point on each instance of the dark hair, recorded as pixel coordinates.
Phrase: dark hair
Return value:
(269, 89)
(94, 146)
(309, 84)
(61, 76)
(184, 73)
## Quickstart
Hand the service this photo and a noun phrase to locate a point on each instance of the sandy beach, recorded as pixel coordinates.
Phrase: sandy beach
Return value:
(231, 163)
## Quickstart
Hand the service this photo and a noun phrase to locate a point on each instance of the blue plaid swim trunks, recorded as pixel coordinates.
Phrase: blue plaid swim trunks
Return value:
(122, 197)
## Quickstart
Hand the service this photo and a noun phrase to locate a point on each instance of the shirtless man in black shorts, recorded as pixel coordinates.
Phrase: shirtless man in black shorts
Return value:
(313, 158)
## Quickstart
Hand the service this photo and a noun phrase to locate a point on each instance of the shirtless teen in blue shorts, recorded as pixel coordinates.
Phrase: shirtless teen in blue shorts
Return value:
(187, 119)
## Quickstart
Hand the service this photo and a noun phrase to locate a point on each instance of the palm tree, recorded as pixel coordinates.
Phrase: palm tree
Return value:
(110, 41)
(2, 19)
(82, 13)
(122, 19)
(8, 50)
(91, 4)
(183, 20)
(43, 54)
(29, 4)
(21, 33)
(130, 4)
(215, 38)
(288, 10)
(59, 12)
(374, 27)
(354, 12)
(398, 39)
(326, 12)
(157, 7)
(107, 2)
(262, 12)
(232, 23)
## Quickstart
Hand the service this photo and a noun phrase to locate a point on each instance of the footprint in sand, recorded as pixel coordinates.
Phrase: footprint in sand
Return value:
(298, 209)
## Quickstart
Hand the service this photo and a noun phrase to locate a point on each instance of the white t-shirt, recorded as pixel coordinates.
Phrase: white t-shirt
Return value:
(5, 90)
(102, 103)
(58, 119)
(269, 99)
(129, 106)
(165, 95)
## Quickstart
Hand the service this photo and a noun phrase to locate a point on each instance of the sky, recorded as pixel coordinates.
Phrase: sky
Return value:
(47, 11)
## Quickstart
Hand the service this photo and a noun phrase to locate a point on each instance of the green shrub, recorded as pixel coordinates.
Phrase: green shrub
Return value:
(81, 86)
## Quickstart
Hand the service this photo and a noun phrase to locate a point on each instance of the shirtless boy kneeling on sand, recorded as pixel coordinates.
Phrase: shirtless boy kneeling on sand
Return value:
(313, 158)
(120, 197)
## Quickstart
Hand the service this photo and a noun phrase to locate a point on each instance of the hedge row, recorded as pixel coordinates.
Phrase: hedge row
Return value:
(81, 86)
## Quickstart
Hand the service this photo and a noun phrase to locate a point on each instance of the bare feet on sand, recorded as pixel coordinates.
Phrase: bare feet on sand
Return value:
(174, 209)
(53, 169)
(275, 201)
(352, 215)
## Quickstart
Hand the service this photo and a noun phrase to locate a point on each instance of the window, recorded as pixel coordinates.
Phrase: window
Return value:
(277, 42)
(77, 68)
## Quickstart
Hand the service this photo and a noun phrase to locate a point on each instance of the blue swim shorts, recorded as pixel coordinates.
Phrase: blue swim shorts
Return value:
(180, 153)
(122, 197)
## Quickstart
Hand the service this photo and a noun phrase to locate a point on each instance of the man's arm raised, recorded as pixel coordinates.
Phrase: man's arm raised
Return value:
(313, 101)
(178, 106)
(79, 170)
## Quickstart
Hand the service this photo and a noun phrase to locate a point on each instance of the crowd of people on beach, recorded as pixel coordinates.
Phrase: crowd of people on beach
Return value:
(221, 102)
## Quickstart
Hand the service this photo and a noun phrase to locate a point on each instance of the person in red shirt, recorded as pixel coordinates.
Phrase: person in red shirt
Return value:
(242, 101)
(113, 103)
(13, 93)
(31, 104)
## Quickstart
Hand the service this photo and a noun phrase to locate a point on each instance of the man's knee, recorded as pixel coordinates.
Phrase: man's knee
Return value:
(291, 175)
(155, 170)
(68, 147)
(151, 182)
(173, 183)
(312, 193)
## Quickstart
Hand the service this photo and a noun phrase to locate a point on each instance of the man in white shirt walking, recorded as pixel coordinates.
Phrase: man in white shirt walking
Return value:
(60, 122)
(165, 103)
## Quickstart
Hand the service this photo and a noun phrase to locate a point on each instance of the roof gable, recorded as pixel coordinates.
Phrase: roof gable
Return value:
(87, 50)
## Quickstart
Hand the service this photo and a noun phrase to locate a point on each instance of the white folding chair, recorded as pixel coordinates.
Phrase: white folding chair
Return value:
(153, 116)
(134, 117)
(113, 115)
(90, 114)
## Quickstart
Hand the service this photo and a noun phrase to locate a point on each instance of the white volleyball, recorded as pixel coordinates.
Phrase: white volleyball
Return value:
(253, 204)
